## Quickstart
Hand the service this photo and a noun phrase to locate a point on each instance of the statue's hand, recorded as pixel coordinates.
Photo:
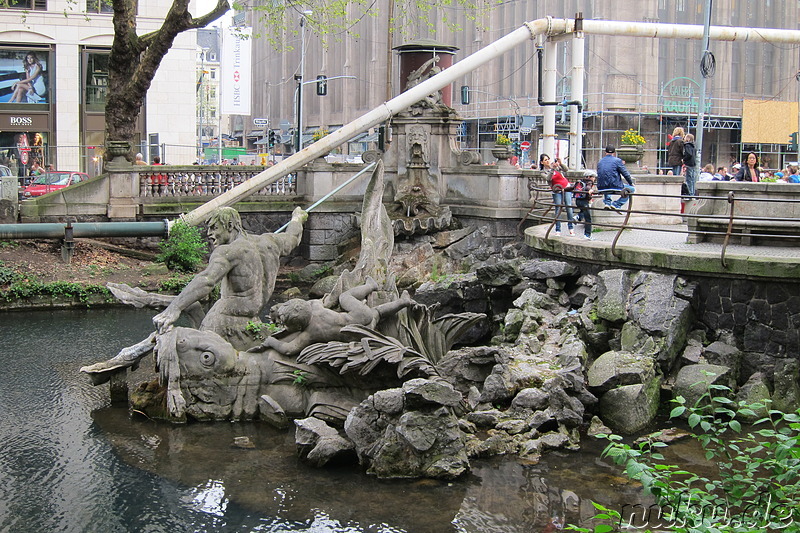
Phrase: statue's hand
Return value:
(264, 346)
(164, 320)
(299, 214)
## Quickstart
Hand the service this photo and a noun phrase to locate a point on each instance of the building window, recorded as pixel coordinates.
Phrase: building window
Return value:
(99, 6)
(37, 5)
(25, 78)
(96, 80)
(213, 73)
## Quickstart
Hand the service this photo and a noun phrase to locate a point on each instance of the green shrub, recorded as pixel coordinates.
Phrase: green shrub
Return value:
(8, 275)
(184, 249)
(755, 485)
(174, 284)
(20, 290)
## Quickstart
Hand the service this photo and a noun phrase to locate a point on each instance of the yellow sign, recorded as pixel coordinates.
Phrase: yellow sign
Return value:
(768, 122)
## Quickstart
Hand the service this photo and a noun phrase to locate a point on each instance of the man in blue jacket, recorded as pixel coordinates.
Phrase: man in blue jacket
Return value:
(610, 171)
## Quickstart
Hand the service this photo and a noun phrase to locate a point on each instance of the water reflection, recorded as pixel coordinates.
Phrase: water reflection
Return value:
(72, 462)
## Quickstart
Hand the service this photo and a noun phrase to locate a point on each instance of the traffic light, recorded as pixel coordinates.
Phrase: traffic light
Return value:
(517, 148)
(382, 138)
(465, 95)
(793, 144)
(272, 138)
(322, 85)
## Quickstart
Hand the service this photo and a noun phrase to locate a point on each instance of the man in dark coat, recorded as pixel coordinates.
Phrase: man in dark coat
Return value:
(610, 171)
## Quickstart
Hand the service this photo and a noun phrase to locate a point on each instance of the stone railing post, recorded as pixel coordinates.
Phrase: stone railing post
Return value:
(123, 183)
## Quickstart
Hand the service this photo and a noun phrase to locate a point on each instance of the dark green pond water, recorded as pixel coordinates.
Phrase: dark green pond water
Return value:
(69, 461)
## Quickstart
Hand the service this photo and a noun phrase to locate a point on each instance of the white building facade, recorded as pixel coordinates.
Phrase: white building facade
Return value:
(54, 80)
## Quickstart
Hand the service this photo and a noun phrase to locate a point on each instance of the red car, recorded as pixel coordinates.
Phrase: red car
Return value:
(53, 181)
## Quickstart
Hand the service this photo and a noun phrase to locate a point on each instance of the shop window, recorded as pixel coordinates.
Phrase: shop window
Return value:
(96, 80)
(37, 5)
(25, 78)
(99, 6)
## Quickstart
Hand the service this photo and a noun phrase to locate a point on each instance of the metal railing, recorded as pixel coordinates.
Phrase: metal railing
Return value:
(701, 227)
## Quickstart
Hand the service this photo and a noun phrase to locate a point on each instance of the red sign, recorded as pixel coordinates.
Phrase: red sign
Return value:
(525, 146)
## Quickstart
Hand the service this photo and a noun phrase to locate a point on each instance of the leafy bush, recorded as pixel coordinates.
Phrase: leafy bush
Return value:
(756, 485)
(174, 284)
(184, 249)
(20, 290)
(8, 275)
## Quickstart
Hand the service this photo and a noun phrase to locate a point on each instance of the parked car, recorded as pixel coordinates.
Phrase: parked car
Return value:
(53, 181)
(5, 171)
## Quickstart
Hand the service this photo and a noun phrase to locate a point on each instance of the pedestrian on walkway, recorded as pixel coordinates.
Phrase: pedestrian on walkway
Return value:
(690, 162)
(675, 151)
(610, 171)
(750, 171)
(562, 192)
(582, 192)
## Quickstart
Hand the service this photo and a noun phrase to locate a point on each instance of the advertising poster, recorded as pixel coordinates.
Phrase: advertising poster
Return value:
(23, 76)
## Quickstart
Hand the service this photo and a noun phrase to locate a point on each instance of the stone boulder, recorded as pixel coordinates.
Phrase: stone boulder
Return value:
(692, 381)
(545, 269)
(319, 444)
(410, 432)
(612, 295)
(664, 317)
(631, 408)
(722, 353)
(755, 391)
(786, 397)
(614, 369)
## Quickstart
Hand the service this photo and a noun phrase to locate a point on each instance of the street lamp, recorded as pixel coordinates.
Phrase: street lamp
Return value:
(298, 143)
(202, 90)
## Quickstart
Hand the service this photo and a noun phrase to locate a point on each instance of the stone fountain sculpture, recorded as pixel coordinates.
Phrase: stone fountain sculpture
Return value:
(332, 355)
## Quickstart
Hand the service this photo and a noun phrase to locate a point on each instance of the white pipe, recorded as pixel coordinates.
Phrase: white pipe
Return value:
(575, 116)
(547, 26)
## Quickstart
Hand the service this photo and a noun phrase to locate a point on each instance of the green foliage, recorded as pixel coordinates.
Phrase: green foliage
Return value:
(331, 19)
(261, 330)
(756, 486)
(25, 289)
(184, 249)
(300, 378)
(175, 283)
(8, 275)
(605, 517)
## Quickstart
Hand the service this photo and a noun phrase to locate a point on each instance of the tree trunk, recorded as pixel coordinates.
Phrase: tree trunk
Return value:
(135, 59)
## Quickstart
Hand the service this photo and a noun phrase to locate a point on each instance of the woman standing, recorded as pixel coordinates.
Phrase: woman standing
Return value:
(562, 192)
(30, 89)
(675, 151)
(750, 170)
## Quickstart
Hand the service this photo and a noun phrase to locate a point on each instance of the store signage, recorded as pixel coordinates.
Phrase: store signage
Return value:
(17, 122)
(682, 95)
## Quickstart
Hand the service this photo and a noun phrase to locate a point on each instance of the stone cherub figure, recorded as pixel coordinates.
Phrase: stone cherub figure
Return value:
(308, 321)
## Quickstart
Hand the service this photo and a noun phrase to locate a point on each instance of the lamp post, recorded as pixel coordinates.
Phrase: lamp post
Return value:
(202, 88)
(298, 143)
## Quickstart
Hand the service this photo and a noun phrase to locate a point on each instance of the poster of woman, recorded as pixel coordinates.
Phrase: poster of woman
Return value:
(23, 76)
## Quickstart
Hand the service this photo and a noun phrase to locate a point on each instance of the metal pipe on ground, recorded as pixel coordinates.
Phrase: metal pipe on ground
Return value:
(68, 231)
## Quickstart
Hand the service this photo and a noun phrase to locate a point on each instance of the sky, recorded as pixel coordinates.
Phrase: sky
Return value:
(204, 6)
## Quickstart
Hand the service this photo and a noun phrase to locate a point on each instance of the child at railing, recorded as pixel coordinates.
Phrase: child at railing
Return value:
(582, 191)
